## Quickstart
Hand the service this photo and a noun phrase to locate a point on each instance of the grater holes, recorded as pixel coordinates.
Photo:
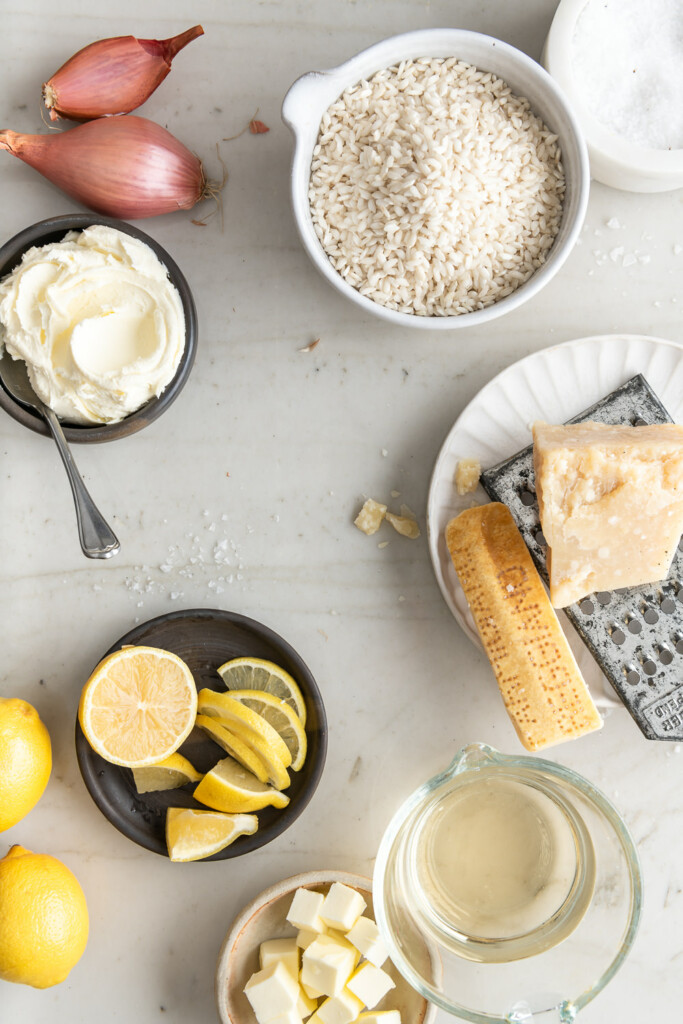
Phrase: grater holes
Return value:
(527, 497)
(542, 542)
(619, 637)
(665, 654)
(648, 665)
(678, 642)
(631, 673)
(587, 607)
(604, 597)
(668, 605)
(650, 615)
(633, 624)
(638, 421)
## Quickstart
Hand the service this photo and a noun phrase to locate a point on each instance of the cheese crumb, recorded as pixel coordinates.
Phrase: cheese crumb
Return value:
(467, 475)
(370, 517)
(405, 526)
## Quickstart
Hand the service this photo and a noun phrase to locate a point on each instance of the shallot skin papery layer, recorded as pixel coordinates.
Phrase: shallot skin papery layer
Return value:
(125, 167)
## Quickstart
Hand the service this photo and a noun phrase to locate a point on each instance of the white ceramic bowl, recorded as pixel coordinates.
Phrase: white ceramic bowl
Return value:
(312, 94)
(264, 918)
(614, 160)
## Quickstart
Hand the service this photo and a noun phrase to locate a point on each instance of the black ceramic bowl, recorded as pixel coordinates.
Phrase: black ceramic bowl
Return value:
(53, 230)
(205, 638)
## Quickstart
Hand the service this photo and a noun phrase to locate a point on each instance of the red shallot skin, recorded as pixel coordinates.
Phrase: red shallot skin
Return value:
(112, 76)
(126, 167)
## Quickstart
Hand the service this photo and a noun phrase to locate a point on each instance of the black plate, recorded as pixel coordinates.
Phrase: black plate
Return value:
(205, 638)
(53, 230)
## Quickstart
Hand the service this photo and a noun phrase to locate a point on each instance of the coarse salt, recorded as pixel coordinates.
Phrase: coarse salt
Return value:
(627, 59)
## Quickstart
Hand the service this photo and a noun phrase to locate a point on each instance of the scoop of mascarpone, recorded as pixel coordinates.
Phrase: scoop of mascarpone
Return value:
(97, 321)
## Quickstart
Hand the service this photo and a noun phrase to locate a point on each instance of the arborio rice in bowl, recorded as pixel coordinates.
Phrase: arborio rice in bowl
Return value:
(436, 191)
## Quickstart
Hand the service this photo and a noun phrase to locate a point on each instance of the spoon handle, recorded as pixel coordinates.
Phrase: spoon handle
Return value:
(96, 537)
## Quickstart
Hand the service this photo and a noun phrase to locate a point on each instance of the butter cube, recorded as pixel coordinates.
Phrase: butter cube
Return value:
(304, 912)
(290, 1016)
(309, 990)
(380, 1017)
(342, 907)
(370, 984)
(340, 1009)
(305, 936)
(327, 964)
(343, 941)
(272, 992)
(305, 1004)
(366, 938)
(285, 950)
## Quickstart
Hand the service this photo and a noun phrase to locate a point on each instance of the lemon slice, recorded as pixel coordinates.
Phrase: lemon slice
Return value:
(276, 773)
(193, 835)
(229, 787)
(234, 746)
(280, 715)
(138, 706)
(258, 674)
(248, 724)
(172, 772)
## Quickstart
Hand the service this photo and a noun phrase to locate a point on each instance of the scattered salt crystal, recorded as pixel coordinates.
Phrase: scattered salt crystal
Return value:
(643, 258)
(678, 249)
(224, 518)
(175, 595)
(96, 587)
(333, 611)
(211, 527)
(616, 253)
(613, 224)
(656, 303)
(205, 512)
(629, 259)
(384, 453)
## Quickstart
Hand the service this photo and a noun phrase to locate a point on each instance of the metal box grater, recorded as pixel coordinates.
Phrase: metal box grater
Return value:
(634, 634)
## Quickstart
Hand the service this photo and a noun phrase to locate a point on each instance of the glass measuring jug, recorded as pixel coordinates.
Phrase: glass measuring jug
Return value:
(522, 881)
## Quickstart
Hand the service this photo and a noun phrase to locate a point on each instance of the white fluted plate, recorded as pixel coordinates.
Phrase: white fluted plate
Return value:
(552, 385)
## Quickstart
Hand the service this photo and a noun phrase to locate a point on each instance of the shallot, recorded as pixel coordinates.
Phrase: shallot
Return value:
(125, 166)
(112, 76)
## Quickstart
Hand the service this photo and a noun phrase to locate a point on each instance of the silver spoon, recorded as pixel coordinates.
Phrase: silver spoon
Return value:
(96, 537)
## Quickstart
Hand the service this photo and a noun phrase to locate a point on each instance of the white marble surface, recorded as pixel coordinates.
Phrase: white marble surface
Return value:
(285, 444)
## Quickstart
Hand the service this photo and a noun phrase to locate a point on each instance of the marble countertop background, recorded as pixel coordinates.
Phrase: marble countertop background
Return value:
(273, 449)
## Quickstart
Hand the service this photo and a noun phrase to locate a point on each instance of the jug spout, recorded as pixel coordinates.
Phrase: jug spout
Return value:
(474, 755)
(563, 1012)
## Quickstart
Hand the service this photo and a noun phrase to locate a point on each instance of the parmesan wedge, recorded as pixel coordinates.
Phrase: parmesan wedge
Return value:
(540, 682)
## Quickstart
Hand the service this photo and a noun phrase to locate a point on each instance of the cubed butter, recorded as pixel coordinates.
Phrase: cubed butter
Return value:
(285, 950)
(370, 984)
(380, 1017)
(305, 936)
(272, 992)
(304, 913)
(290, 1016)
(327, 964)
(311, 992)
(305, 1004)
(342, 907)
(343, 940)
(340, 1009)
(366, 938)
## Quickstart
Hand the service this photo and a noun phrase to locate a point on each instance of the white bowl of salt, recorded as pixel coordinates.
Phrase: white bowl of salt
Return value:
(620, 64)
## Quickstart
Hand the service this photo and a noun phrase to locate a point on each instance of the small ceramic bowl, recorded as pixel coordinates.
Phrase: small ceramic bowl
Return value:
(264, 918)
(206, 638)
(53, 230)
(311, 95)
(614, 160)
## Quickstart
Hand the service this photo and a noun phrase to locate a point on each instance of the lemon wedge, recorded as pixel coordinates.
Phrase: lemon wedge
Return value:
(248, 725)
(259, 674)
(234, 746)
(229, 787)
(238, 737)
(193, 835)
(281, 716)
(172, 772)
(138, 706)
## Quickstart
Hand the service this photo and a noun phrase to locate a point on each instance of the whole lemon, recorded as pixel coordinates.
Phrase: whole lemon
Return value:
(25, 760)
(43, 919)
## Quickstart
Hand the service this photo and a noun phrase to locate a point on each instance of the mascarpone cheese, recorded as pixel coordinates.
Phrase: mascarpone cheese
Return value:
(97, 321)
